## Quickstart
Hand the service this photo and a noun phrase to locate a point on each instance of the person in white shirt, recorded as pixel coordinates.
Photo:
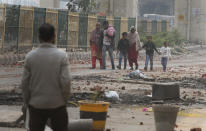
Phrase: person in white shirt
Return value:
(165, 55)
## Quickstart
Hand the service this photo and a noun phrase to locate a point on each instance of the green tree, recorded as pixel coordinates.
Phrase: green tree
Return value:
(83, 6)
(174, 38)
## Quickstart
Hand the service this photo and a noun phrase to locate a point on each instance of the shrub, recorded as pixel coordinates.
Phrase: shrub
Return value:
(173, 38)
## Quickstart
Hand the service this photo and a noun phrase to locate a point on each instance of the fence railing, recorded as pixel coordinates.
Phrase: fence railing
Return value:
(19, 27)
(152, 27)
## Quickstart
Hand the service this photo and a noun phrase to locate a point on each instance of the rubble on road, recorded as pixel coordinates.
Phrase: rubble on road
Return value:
(196, 129)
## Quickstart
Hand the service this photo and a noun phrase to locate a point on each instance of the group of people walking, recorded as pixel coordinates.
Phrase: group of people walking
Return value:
(128, 48)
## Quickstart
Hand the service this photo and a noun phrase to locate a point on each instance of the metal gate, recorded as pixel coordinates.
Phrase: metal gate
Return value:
(164, 26)
(154, 27)
(144, 25)
(83, 29)
(39, 19)
(62, 35)
(117, 26)
(131, 22)
(11, 27)
(101, 19)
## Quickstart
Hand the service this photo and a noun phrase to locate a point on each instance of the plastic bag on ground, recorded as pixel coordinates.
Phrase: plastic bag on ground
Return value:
(113, 95)
(137, 75)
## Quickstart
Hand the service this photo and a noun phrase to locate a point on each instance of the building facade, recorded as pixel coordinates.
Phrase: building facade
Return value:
(190, 19)
(49, 3)
(123, 8)
(162, 7)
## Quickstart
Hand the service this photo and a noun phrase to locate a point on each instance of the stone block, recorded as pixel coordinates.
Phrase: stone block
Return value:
(164, 91)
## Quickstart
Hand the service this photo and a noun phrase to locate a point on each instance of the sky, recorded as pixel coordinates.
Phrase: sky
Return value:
(63, 4)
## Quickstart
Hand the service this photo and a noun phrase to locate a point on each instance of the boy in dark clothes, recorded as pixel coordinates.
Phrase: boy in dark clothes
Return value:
(150, 48)
(123, 46)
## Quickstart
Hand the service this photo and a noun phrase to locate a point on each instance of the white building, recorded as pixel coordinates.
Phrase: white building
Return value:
(53, 3)
(21, 2)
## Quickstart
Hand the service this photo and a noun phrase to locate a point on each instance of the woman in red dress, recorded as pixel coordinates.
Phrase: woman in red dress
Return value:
(134, 47)
(96, 52)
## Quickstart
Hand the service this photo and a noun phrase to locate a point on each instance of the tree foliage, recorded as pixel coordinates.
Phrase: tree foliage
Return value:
(174, 38)
(83, 6)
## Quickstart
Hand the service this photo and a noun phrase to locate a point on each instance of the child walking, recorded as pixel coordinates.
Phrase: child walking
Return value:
(165, 55)
(123, 46)
(150, 48)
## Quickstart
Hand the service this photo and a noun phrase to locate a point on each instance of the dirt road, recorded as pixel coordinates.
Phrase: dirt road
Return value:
(127, 114)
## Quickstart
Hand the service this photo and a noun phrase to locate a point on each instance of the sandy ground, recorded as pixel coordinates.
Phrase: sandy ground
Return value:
(128, 116)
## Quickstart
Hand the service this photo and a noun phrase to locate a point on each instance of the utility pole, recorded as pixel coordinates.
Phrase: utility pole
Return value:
(137, 13)
(56, 3)
(188, 19)
(110, 7)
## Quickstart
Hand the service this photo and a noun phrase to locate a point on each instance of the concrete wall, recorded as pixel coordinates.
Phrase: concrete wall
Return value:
(49, 3)
(162, 7)
(198, 21)
(190, 19)
(120, 8)
(123, 8)
(181, 19)
(104, 6)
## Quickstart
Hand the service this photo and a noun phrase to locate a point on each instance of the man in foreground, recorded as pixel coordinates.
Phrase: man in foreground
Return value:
(46, 83)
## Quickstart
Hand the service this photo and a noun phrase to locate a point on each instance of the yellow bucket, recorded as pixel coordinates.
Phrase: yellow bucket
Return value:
(96, 111)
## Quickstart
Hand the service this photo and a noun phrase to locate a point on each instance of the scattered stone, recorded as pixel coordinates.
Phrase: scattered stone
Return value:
(183, 92)
(92, 89)
(78, 88)
(141, 123)
(88, 83)
(196, 129)
(185, 96)
(204, 76)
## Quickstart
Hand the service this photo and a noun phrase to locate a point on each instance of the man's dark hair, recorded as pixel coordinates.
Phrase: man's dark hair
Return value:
(124, 33)
(46, 32)
(105, 23)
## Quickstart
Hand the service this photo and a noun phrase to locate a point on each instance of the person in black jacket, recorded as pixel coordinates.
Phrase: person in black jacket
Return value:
(123, 46)
(150, 48)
